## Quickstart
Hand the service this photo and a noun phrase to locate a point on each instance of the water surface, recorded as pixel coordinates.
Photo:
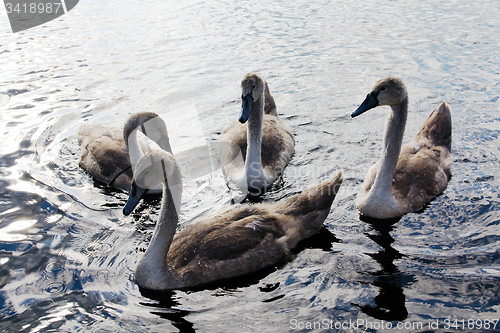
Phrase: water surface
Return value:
(67, 253)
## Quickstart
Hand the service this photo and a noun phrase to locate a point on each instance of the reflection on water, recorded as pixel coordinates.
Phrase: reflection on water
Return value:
(166, 303)
(67, 253)
(390, 302)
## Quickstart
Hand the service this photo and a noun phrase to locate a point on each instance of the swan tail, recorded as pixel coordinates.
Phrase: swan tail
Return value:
(436, 129)
(269, 104)
(307, 211)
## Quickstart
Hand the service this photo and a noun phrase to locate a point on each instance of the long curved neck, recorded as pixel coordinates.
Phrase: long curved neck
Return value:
(160, 138)
(253, 162)
(393, 138)
(152, 271)
(134, 148)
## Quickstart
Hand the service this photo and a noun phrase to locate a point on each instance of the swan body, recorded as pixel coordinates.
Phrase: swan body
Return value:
(238, 241)
(266, 143)
(107, 155)
(409, 176)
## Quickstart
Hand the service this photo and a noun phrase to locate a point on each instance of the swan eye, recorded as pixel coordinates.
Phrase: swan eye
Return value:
(383, 89)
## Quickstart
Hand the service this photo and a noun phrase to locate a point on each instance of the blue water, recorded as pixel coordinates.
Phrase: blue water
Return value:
(67, 254)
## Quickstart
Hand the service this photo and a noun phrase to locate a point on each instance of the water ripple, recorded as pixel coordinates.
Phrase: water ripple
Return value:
(67, 254)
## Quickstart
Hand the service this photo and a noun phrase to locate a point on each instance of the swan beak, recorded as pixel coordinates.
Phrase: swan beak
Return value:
(246, 107)
(164, 142)
(136, 194)
(370, 102)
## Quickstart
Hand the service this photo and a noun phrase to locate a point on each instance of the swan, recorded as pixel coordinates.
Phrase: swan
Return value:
(406, 177)
(241, 240)
(266, 142)
(105, 152)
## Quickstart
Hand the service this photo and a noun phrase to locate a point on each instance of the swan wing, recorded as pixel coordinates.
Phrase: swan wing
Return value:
(230, 244)
(421, 175)
(278, 145)
(424, 165)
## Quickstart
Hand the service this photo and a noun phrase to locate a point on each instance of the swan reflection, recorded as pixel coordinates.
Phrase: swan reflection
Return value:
(390, 302)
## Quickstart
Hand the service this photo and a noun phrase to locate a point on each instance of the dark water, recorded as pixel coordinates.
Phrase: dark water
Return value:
(67, 253)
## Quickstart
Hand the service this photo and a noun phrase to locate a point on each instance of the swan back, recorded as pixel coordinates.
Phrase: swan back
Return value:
(246, 238)
(104, 155)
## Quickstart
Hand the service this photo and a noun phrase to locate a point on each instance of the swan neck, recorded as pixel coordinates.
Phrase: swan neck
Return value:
(393, 138)
(134, 147)
(152, 271)
(254, 135)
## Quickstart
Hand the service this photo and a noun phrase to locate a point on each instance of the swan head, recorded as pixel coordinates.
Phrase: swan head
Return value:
(252, 88)
(388, 91)
(151, 125)
(155, 167)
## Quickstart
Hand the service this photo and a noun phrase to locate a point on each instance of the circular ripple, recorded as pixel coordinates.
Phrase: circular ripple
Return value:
(103, 274)
(53, 271)
(54, 268)
(45, 303)
(54, 288)
(96, 248)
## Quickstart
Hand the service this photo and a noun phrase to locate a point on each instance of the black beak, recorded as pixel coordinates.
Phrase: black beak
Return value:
(246, 107)
(136, 194)
(370, 102)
